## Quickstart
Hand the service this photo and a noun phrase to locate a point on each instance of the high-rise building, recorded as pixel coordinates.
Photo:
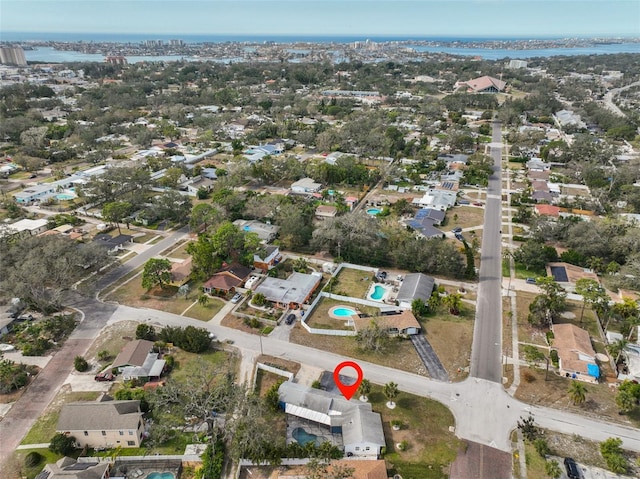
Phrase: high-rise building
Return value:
(13, 56)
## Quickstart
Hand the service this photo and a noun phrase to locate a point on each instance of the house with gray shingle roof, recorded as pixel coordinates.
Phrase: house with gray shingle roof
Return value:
(69, 468)
(360, 427)
(102, 424)
(415, 286)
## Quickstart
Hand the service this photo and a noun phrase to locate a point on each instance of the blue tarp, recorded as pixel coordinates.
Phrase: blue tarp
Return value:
(593, 370)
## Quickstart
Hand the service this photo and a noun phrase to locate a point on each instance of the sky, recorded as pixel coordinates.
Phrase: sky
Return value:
(423, 18)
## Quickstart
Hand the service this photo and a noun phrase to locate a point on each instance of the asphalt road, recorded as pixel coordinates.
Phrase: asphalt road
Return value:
(142, 258)
(486, 351)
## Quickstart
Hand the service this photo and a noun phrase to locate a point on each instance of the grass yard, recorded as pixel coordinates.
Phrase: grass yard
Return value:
(399, 355)
(206, 312)
(425, 427)
(164, 299)
(465, 217)
(179, 252)
(353, 282)
(451, 338)
(526, 332)
(524, 273)
(48, 458)
(599, 403)
(186, 362)
(45, 427)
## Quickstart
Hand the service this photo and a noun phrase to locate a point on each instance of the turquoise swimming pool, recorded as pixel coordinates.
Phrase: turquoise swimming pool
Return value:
(378, 292)
(303, 437)
(343, 312)
(65, 196)
(374, 211)
(161, 475)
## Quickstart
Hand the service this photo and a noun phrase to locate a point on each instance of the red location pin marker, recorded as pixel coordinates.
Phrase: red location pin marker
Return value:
(347, 390)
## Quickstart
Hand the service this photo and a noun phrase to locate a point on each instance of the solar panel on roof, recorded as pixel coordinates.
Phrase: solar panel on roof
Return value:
(559, 273)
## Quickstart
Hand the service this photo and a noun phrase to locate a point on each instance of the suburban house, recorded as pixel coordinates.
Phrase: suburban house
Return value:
(266, 232)
(360, 427)
(414, 286)
(133, 354)
(577, 358)
(102, 424)
(425, 220)
(305, 186)
(292, 292)
(27, 227)
(69, 468)
(326, 211)
(484, 84)
(437, 199)
(395, 323)
(547, 210)
(267, 258)
(227, 279)
(112, 244)
(181, 271)
(193, 185)
(568, 274)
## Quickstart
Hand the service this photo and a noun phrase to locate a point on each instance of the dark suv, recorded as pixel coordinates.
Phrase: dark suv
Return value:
(573, 472)
(290, 319)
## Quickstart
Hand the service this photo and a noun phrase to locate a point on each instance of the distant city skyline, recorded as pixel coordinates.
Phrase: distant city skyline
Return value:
(423, 18)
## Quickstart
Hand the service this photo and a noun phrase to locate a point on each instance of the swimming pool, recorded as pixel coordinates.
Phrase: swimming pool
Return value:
(161, 475)
(374, 211)
(303, 437)
(378, 292)
(343, 312)
(65, 196)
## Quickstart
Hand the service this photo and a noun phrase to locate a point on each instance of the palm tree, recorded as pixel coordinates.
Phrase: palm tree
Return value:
(552, 469)
(203, 300)
(364, 389)
(453, 302)
(577, 392)
(390, 390)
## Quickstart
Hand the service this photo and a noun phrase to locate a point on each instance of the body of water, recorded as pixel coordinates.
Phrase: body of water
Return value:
(51, 55)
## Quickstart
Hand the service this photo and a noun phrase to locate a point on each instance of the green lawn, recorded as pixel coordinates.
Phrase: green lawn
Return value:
(425, 427)
(205, 313)
(45, 427)
(524, 273)
(352, 282)
(48, 458)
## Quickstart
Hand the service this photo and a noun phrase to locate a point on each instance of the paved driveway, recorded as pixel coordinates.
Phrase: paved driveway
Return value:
(429, 357)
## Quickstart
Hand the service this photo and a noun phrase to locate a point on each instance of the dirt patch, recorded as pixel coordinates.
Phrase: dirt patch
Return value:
(290, 366)
(265, 380)
(231, 321)
(112, 339)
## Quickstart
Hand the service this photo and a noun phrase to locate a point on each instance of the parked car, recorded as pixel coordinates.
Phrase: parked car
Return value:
(104, 376)
(459, 237)
(531, 281)
(290, 319)
(236, 297)
(573, 472)
(457, 229)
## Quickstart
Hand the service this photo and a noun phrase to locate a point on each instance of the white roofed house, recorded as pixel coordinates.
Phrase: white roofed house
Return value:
(360, 427)
(292, 292)
(305, 185)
